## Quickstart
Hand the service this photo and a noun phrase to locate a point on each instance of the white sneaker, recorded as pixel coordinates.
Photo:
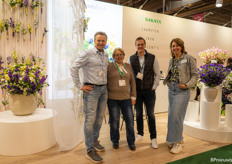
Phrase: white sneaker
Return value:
(138, 138)
(154, 143)
(170, 145)
(177, 147)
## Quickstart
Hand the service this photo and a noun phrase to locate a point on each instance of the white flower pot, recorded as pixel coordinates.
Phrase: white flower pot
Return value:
(22, 105)
(210, 93)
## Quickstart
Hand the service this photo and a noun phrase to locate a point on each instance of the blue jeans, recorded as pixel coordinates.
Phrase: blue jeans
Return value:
(178, 103)
(114, 107)
(95, 105)
(148, 98)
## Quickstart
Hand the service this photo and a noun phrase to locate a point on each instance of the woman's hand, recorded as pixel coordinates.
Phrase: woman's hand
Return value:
(182, 86)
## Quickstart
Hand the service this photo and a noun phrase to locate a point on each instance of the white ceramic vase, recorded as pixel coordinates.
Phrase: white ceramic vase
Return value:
(22, 105)
(210, 93)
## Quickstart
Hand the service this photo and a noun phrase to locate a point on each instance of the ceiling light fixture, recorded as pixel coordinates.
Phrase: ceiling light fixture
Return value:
(219, 3)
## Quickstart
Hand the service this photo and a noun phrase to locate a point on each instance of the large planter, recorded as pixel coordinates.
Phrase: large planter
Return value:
(22, 105)
(210, 93)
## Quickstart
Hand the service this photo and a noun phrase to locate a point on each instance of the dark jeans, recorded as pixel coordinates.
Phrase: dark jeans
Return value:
(114, 107)
(148, 98)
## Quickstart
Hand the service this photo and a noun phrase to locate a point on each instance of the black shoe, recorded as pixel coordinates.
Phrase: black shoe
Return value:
(115, 145)
(93, 156)
(98, 147)
(132, 147)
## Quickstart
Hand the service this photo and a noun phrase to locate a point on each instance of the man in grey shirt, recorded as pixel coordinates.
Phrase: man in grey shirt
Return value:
(94, 63)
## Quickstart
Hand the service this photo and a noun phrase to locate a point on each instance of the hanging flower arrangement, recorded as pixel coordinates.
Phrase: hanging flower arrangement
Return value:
(41, 5)
(6, 25)
(34, 5)
(2, 28)
(17, 30)
(29, 30)
(12, 25)
(86, 20)
(26, 6)
(13, 3)
(44, 33)
(24, 32)
(36, 25)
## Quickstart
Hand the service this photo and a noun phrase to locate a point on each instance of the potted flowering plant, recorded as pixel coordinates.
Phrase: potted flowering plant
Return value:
(227, 84)
(212, 75)
(24, 80)
(214, 55)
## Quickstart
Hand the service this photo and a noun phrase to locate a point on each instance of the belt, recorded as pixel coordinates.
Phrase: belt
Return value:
(95, 84)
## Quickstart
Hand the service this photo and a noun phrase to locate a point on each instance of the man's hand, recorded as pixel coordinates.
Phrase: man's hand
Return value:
(133, 102)
(87, 88)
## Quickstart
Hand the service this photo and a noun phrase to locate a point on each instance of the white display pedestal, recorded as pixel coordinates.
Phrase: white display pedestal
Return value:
(23, 135)
(210, 111)
(192, 113)
(210, 127)
(221, 135)
(228, 115)
(210, 115)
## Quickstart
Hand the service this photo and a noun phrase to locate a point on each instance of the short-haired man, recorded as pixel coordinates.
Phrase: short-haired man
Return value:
(147, 73)
(94, 63)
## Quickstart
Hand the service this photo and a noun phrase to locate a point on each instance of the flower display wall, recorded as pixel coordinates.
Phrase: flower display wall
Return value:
(22, 30)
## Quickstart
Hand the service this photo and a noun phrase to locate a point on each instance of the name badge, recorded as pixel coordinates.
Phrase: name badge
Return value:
(122, 83)
(100, 73)
(140, 76)
(183, 61)
(213, 61)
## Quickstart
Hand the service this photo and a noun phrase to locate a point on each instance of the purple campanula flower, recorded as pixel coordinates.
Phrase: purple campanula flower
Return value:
(106, 47)
(1, 62)
(90, 40)
(10, 73)
(26, 78)
(26, 2)
(27, 70)
(37, 74)
(42, 80)
(9, 60)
